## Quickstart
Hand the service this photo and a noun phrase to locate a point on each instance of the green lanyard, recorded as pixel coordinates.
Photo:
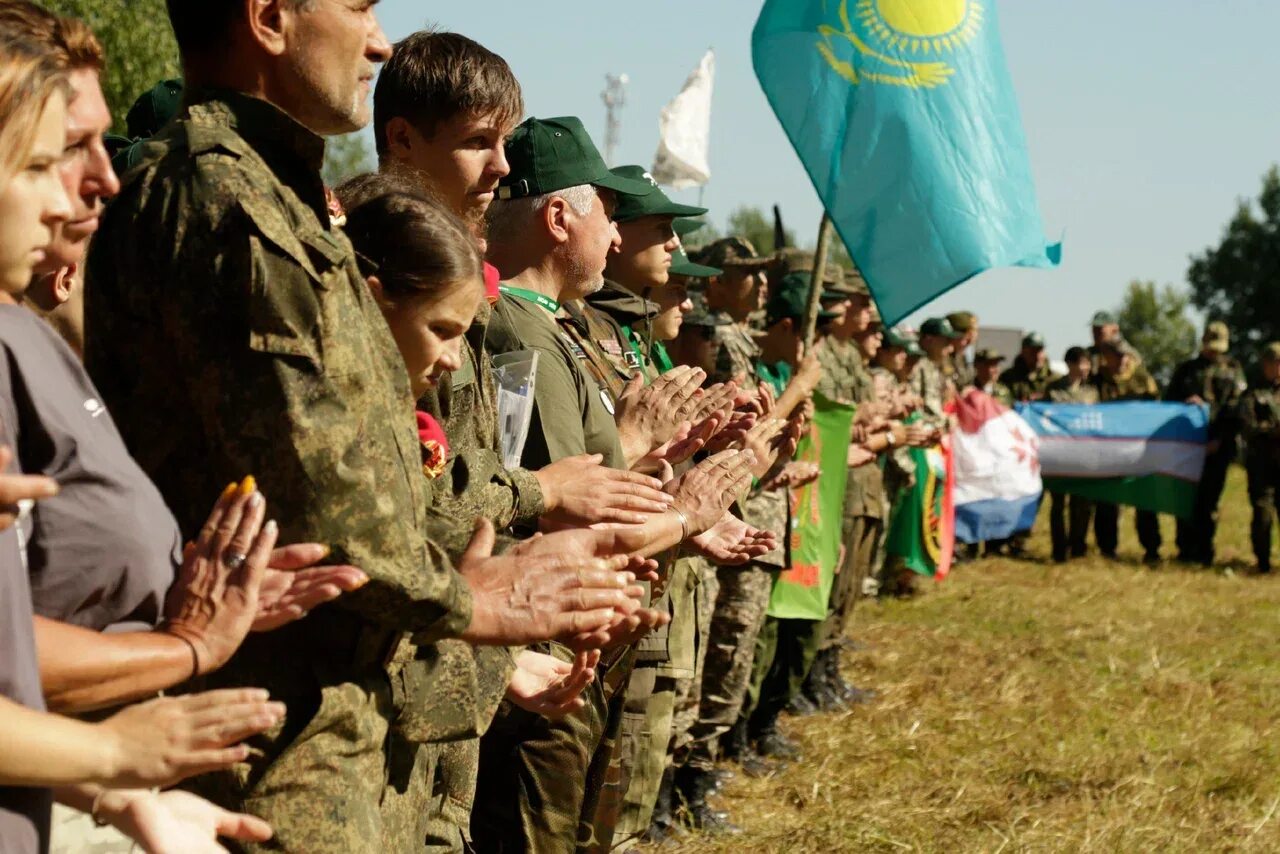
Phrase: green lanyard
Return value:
(531, 296)
(658, 355)
(661, 357)
(776, 375)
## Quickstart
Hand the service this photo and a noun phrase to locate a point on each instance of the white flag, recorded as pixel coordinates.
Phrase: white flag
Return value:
(685, 131)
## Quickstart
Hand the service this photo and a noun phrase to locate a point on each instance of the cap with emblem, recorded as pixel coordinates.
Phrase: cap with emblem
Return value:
(790, 301)
(682, 266)
(655, 203)
(1217, 337)
(1033, 340)
(547, 155)
(731, 252)
(961, 321)
(701, 315)
(1271, 352)
(939, 326)
(988, 354)
(1103, 318)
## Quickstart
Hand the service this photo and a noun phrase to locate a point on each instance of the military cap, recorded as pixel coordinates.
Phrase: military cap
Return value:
(914, 351)
(895, 337)
(1271, 352)
(655, 203)
(939, 326)
(961, 321)
(682, 266)
(701, 315)
(790, 301)
(1103, 318)
(988, 354)
(546, 155)
(732, 252)
(876, 319)
(1034, 340)
(792, 260)
(154, 109)
(684, 227)
(1217, 337)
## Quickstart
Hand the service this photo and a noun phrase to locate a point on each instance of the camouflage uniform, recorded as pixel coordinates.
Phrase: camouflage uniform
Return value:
(930, 383)
(1219, 382)
(240, 337)
(1260, 422)
(998, 391)
(1026, 383)
(1069, 515)
(1134, 384)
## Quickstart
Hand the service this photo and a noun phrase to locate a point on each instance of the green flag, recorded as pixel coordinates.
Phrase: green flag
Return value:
(817, 513)
(922, 529)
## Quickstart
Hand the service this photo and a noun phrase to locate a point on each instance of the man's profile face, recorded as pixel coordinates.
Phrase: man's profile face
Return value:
(673, 304)
(333, 47)
(462, 160)
(743, 288)
(985, 372)
(85, 171)
(644, 258)
(591, 238)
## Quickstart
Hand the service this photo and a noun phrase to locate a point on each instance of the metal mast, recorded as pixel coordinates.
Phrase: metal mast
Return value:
(615, 98)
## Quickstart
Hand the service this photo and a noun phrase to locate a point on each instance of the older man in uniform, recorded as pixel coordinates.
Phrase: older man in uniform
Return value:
(1215, 380)
(1260, 420)
(252, 330)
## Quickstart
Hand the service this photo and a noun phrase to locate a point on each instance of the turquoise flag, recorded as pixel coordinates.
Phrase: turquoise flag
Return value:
(905, 118)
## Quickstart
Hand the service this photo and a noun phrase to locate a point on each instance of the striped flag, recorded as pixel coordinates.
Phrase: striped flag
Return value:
(998, 488)
(1141, 453)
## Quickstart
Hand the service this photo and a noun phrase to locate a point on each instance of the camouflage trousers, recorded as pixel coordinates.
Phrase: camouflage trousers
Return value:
(863, 536)
(689, 690)
(741, 603)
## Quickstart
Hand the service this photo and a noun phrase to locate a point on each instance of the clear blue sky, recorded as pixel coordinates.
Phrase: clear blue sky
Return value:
(1147, 120)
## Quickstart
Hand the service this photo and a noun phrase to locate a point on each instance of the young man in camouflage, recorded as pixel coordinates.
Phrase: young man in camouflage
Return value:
(225, 299)
(1122, 378)
(966, 323)
(986, 367)
(1260, 426)
(930, 380)
(1069, 515)
(1027, 377)
(1215, 380)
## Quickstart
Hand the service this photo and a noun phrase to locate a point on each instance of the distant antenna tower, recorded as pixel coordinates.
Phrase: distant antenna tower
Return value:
(615, 98)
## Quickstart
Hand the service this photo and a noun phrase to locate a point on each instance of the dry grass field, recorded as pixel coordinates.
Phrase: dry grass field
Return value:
(1025, 706)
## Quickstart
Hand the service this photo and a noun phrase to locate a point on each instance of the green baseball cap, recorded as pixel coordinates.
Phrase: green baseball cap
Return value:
(154, 109)
(790, 301)
(656, 203)
(682, 266)
(939, 326)
(684, 227)
(1103, 318)
(914, 351)
(1034, 340)
(546, 155)
(894, 337)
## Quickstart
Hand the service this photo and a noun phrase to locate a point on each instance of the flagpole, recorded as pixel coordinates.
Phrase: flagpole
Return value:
(815, 284)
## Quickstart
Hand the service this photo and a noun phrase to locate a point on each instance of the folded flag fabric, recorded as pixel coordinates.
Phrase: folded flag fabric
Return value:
(997, 467)
(817, 511)
(905, 118)
(1141, 453)
(921, 532)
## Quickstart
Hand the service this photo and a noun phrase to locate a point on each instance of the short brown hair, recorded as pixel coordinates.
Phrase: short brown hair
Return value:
(70, 41)
(202, 25)
(434, 76)
(411, 242)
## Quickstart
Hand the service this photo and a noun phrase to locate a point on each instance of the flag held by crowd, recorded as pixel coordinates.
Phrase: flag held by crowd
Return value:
(1142, 453)
(905, 118)
(998, 488)
(817, 510)
(921, 530)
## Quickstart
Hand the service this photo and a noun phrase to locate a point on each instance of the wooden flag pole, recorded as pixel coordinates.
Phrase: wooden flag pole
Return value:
(815, 284)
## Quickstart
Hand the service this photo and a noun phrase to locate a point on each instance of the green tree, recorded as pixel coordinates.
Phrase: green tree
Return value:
(1237, 280)
(1155, 322)
(345, 157)
(139, 44)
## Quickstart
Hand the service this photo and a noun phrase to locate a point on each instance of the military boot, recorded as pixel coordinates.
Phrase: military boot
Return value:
(663, 827)
(736, 746)
(692, 786)
(772, 744)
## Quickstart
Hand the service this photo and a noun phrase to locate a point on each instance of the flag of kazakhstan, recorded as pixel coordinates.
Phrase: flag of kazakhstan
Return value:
(905, 118)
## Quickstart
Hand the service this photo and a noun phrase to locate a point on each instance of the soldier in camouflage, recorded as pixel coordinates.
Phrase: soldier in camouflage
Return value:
(966, 323)
(930, 380)
(1215, 380)
(986, 367)
(1259, 410)
(1069, 515)
(1029, 374)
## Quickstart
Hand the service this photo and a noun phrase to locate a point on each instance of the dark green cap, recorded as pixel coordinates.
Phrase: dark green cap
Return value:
(154, 109)
(988, 354)
(913, 350)
(1103, 318)
(547, 155)
(1034, 340)
(894, 337)
(939, 326)
(790, 301)
(682, 266)
(656, 203)
(961, 321)
(684, 227)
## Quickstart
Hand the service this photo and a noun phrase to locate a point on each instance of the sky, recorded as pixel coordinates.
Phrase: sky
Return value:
(1147, 120)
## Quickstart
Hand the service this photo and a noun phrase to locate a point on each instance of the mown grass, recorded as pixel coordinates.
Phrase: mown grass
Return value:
(1025, 706)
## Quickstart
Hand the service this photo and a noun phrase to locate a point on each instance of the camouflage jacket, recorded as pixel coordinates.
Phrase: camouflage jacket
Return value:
(930, 383)
(961, 370)
(1062, 390)
(1026, 383)
(736, 353)
(999, 392)
(1136, 384)
(232, 333)
(1219, 382)
(1259, 410)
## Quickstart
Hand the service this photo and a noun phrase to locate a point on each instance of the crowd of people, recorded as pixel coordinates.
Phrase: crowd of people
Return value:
(450, 652)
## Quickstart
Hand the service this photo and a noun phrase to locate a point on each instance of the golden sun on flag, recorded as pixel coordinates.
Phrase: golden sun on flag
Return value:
(905, 40)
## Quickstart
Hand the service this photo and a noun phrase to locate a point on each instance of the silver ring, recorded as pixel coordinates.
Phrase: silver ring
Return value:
(235, 561)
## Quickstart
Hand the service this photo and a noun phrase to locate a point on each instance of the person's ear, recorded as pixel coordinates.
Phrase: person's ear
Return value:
(64, 284)
(401, 138)
(267, 21)
(555, 218)
(375, 288)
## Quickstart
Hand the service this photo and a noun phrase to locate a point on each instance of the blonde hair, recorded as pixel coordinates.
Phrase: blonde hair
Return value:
(28, 77)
